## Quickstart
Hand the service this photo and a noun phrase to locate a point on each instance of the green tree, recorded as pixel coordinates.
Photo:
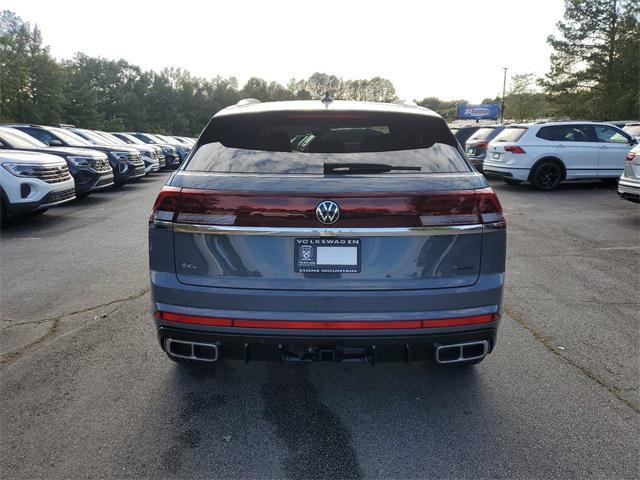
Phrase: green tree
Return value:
(595, 72)
(523, 101)
(30, 79)
(256, 88)
(447, 108)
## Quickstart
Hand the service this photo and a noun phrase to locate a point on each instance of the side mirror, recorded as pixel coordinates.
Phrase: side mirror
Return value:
(54, 142)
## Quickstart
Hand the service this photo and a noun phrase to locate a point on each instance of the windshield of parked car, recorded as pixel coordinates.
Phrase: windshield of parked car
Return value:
(16, 139)
(70, 138)
(311, 142)
(152, 138)
(130, 138)
(92, 137)
(169, 140)
(111, 138)
(632, 130)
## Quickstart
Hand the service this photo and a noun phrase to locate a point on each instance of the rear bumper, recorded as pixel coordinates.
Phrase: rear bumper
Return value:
(629, 189)
(313, 346)
(490, 170)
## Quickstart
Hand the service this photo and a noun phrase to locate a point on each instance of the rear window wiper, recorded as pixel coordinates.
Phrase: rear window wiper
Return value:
(365, 168)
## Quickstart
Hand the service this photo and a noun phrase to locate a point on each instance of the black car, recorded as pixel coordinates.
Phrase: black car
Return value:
(91, 170)
(477, 144)
(171, 157)
(125, 162)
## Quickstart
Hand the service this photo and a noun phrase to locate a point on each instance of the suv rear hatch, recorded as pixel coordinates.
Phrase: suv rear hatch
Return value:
(505, 144)
(246, 210)
(476, 145)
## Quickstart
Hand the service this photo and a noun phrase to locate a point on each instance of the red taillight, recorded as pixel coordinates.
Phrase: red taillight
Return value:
(327, 324)
(261, 209)
(483, 145)
(631, 156)
(489, 206)
(166, 204)
(514, 149)
(195, 319)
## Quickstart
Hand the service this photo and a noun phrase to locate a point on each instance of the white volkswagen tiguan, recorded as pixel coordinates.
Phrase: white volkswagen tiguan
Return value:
(31, 182)
(545, 154)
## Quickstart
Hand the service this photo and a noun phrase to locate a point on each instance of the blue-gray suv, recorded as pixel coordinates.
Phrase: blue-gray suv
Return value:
(327, 231)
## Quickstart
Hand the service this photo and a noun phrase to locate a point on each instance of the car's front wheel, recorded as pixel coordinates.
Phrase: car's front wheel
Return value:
(547, 175)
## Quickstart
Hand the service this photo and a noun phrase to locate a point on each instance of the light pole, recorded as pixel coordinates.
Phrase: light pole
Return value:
(504, 87)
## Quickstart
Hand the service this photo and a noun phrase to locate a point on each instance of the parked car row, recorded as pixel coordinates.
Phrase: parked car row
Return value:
(44, 166)
(547, 153)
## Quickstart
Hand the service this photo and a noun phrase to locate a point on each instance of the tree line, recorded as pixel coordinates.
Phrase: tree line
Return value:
(594, 74)
(116, 95)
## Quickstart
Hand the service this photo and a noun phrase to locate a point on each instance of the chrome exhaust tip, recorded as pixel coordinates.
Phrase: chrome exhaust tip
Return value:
(203, 352)
(462, 352)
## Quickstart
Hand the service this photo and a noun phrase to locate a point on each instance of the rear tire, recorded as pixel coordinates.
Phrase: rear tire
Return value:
(547, 175)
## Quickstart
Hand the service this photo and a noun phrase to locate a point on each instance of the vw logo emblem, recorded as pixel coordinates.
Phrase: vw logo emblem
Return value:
(328, 212)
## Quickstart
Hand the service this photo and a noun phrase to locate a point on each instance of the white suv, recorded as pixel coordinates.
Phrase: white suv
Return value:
(547, 153)
(31, 182)
(629, 183)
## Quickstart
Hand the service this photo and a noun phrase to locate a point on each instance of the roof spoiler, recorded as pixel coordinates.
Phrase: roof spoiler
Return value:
(247, 101)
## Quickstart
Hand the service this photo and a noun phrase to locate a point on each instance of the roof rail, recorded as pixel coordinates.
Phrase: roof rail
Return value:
(247, 101)
(66, 125)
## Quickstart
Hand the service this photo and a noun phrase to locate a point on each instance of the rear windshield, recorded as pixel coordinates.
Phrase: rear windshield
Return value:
(510, 134)
(482, 135)
(313, 142)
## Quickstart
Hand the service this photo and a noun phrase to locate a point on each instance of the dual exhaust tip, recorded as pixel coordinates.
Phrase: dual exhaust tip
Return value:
(462, 352)
(203, 352)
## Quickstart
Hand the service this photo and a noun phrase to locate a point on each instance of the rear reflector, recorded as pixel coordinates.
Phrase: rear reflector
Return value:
(262, 209)
(327, 325)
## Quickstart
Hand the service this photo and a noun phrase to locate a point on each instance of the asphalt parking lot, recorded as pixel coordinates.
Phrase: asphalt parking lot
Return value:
(87, 392)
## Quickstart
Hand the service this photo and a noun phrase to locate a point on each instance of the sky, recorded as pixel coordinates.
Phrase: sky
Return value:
(451, 49)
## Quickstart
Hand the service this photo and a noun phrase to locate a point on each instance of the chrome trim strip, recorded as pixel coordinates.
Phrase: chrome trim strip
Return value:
(159, 224)
(321, 232)
(494, 226)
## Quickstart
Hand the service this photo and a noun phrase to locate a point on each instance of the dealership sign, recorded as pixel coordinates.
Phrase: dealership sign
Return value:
(486, 110)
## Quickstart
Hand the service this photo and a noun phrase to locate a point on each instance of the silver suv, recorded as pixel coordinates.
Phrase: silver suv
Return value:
(327, 231)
